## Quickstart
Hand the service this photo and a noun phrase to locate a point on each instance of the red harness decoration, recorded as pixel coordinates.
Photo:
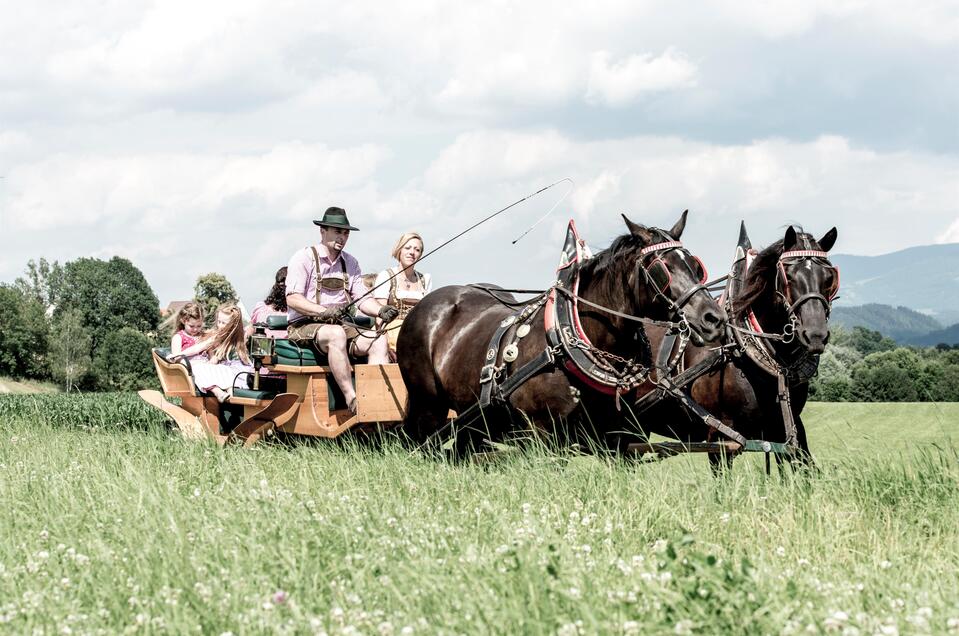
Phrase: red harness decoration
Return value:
(574, 252)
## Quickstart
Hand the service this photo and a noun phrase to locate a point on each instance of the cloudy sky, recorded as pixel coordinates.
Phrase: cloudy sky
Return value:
(205, 136)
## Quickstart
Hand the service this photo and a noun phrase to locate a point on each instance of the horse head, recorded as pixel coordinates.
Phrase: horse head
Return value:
(670, 282)
(793, 282)
(807, 283)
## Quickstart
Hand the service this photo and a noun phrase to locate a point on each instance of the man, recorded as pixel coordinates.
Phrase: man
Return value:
(320, 281)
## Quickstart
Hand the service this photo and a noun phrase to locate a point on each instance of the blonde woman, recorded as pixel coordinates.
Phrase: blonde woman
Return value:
(226, 349)
(405, 286)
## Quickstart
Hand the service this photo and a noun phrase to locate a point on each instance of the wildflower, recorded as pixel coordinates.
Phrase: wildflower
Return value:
(575, 592)
(631, 627)
(43, 555)
(659, 545)
(683, 627)
(885, 565)
(888, 630)
(196, 492)
(953, 624)
(280, 597)
(835, 621)
(724, 517)
(44, 535)
(780, 551)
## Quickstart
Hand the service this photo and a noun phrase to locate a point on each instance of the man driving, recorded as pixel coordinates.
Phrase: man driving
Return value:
(321, 281)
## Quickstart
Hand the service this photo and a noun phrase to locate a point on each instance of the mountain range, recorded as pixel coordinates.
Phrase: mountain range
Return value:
(911, 295)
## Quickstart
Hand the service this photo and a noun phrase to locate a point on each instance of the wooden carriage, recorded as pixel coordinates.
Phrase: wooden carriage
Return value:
(292, 391)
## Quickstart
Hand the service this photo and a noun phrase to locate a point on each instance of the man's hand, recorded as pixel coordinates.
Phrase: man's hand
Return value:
(388, 313)
(330, 314)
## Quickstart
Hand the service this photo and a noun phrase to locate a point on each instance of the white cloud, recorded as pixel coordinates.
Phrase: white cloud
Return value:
(623, 82)
(202, 190)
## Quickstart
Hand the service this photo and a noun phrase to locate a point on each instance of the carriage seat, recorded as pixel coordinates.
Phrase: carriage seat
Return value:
(289, 353)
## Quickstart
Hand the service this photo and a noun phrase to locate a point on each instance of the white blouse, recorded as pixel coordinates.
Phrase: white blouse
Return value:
(382, 288)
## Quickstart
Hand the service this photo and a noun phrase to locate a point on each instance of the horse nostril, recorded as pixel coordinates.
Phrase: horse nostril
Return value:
(713, 319)
(825, 340)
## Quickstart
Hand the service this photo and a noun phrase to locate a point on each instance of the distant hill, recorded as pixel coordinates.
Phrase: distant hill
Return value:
(949, 335)
(899, 323)
(924, 278)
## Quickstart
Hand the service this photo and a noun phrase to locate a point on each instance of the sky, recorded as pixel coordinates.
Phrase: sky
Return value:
(195, 137)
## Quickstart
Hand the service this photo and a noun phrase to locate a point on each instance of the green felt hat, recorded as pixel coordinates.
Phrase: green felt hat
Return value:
(335, 217)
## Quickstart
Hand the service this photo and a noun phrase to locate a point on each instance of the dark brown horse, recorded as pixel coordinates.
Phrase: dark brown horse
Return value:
(786, 294)
(445, 339)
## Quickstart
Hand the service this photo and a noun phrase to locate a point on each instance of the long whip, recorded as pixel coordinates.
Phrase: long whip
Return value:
(473, 227)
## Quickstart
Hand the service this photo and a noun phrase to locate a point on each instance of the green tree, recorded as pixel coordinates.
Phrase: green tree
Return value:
(211, 291)
(24, 334)
(43, 281)
(123, 361)
(867, 341)
(70, 347)
(108, 295)
(890, 376)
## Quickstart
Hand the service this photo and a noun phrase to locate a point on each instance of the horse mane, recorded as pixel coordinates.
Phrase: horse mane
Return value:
(762, 271)
(613, 259)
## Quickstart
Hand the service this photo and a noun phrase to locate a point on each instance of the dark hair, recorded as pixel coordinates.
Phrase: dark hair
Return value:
(277, 296)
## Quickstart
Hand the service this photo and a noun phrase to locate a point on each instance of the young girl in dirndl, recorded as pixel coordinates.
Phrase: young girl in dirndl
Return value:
(227, 353)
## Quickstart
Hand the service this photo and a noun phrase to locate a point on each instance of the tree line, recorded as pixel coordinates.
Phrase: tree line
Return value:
(89, 324)
(863, 365)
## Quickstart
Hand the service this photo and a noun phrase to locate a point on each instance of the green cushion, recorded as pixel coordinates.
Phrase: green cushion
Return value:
(256, 395)
(278, 321)
(289, 353)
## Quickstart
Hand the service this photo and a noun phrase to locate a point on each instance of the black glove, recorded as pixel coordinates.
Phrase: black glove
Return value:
(330, 315)
(388, 313)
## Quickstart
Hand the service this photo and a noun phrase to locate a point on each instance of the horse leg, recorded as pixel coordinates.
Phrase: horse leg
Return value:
(425, 415)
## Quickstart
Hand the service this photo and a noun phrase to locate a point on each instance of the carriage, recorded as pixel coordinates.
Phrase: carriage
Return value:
(291, 391)
(559, 358)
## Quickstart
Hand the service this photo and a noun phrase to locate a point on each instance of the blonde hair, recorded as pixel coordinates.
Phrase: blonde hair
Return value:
(230, 336)
(405, 238)
(189, 311)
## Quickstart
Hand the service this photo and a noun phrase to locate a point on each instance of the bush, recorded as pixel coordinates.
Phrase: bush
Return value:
(123, 362)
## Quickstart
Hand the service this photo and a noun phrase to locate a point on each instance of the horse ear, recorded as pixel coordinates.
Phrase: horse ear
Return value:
(828, 239)
(789, 241)
(744, 241)
(635, 228)
(677, 230)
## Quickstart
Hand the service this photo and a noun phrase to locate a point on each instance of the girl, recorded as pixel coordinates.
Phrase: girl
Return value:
(226, 349)
(189, 328)
(275, 304)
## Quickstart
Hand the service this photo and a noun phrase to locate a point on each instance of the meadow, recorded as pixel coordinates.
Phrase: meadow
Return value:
(112, 524)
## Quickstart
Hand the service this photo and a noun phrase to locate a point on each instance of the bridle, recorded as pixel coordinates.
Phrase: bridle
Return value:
(782, 281)
(657, 268)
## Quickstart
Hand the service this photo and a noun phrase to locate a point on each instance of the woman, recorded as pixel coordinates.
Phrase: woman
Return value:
(402, 286)
(273, 305)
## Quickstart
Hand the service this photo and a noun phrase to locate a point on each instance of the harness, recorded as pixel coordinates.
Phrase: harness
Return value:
(753, 342)
(569, 348)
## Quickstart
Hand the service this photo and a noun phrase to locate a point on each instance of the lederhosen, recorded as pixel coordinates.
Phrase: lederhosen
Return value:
(303, 330)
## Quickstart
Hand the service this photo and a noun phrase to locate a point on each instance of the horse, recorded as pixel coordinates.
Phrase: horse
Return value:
(445, 343)
(778, 327)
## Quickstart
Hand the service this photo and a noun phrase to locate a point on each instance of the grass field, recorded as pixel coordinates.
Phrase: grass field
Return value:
(111, 524)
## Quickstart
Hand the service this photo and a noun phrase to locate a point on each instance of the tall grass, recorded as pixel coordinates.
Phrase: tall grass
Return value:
(115, 530)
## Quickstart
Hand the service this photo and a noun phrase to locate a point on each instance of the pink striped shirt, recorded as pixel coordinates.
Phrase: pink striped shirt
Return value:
(301, 277)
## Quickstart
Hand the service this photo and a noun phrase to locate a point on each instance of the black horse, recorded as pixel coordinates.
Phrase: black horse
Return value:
(778, 327)
(445, 341)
